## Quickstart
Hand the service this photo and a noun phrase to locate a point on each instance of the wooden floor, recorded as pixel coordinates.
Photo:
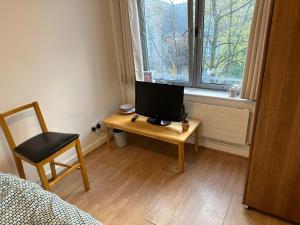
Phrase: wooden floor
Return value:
(137, 185)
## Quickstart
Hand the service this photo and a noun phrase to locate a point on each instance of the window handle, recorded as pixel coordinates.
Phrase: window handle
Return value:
(197, 32)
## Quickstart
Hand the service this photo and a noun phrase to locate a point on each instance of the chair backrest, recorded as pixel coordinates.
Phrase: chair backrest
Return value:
(5, 128)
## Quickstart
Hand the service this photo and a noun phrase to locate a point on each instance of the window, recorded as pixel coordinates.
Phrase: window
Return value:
(197, 43)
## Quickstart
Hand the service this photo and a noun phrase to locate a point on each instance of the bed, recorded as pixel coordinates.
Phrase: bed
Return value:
(24, 202)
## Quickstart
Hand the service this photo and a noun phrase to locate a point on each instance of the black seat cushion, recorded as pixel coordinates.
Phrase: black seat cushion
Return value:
(43, 145)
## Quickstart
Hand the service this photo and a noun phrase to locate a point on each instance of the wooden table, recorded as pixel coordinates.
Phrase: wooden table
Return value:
(172, 133)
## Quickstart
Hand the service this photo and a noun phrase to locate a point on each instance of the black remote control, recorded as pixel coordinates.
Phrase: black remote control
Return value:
(134, 118)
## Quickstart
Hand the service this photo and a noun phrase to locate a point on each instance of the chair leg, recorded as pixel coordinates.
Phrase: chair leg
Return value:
(43, 177)
(82, 165)
(53, 171)
(20, 167)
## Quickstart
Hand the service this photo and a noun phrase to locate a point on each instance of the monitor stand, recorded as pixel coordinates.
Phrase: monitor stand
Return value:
(158, 122)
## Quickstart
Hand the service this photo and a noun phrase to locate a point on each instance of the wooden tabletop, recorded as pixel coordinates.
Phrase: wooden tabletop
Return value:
(172, 133)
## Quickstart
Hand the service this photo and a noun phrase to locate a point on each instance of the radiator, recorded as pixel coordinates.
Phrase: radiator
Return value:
(220, 123)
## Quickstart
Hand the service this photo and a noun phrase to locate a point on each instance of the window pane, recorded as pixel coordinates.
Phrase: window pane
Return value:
(226, 31)
(165, 39)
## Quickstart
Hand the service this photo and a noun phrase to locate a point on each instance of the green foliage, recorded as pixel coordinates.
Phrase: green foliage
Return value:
(224, 43)
(226, 31)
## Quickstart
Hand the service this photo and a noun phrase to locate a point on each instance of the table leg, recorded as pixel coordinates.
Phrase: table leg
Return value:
(108, 137)
(181, 157)
(197, 138)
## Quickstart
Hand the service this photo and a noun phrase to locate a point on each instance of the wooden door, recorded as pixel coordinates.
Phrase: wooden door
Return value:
(273, 185)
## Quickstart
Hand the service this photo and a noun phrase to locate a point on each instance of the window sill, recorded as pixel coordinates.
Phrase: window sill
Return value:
(217, 94)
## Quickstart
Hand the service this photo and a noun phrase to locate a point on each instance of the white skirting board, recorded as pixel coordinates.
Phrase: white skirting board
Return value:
(234, 149)
(240, 150)
(91, 147)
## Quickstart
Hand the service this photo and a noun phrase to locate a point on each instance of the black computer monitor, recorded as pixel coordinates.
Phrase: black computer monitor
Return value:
(162, 103)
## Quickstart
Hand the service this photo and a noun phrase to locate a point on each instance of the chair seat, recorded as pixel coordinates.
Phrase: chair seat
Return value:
(44, 145)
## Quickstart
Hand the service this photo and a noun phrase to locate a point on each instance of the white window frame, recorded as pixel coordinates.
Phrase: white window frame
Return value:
(196, 36)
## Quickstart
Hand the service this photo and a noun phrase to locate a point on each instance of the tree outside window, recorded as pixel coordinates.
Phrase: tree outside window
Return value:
(195, 42)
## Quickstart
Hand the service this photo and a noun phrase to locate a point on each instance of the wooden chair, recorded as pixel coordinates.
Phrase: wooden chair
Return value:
(44, 148)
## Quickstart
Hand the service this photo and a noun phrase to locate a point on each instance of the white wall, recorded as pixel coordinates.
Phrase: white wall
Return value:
(60, 53)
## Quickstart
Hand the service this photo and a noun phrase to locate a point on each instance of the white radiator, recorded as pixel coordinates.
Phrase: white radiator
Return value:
(220, 123)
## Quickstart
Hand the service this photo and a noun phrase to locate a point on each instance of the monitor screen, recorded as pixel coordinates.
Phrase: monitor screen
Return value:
(159, 101)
